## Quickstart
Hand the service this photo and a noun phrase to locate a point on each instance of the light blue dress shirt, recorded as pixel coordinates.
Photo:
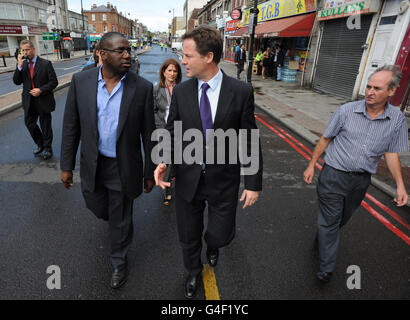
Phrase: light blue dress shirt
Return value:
(28, 61)
(358, 142)
(108, 111)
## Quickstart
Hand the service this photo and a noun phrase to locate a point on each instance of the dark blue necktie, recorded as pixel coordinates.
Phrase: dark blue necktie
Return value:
(205, 109)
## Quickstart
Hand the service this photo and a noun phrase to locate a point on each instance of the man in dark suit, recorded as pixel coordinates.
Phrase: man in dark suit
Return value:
(240, 59)
(39, 80)
(280, 60)
(110, 109)
(210, 100)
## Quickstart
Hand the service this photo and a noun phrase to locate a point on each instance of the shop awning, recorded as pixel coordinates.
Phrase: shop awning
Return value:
(297, 26)
(239, 33)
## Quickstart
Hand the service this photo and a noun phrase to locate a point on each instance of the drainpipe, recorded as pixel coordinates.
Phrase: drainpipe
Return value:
(308, 50)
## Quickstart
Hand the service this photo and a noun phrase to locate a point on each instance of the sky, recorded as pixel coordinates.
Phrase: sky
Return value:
(153, 13)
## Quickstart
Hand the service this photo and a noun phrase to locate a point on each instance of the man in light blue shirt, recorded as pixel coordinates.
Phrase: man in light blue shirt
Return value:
(357, 136)
(110, 110)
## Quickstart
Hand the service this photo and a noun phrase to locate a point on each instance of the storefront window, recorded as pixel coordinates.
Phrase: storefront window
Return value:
(3, 44)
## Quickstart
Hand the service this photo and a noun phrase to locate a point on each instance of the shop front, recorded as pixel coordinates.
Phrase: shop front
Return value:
(285, 23)
(234, 35)
(12, 35)
(345, 36)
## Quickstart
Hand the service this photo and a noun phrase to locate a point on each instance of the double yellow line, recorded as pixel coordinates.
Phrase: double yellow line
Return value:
(211, 288)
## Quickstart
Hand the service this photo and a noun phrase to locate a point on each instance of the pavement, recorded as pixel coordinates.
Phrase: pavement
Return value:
(307, 113)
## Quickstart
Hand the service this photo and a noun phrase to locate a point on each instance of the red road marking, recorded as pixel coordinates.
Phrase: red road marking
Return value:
(296, 144)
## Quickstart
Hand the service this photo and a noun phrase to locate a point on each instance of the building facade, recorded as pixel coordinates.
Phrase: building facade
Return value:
(189, 7)
(106, 18)
(29, 19)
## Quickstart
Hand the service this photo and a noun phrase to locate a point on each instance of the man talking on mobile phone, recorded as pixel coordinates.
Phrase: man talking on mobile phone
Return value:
(39, 80)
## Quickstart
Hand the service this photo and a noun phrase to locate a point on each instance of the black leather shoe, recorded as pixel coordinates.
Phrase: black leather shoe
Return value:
(192, 284)
(119, 277)
(47, 155)
(212, 256)
(324, 276)
(38, 151)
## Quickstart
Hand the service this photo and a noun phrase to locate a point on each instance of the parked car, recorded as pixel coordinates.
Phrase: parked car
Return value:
(88, 62)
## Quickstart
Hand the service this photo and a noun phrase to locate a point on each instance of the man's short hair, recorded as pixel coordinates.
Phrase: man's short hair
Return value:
(24, 42)
(396, 77)
(108, 37)
(207, 39)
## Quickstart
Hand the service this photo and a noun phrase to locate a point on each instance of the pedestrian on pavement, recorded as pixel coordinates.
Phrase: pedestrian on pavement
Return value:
(267, 55)
(39, 80)
(111, 123)
(210, 99)
(170, 75)
(279, 62)
(240, 59)
(258, 60)
(358, 135)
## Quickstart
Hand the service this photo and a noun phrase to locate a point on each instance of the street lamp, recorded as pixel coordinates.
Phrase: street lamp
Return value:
(84, 35)
(253, 20)
(172, 25)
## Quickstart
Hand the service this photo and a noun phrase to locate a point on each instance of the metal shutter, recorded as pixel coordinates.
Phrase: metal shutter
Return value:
(340, 56)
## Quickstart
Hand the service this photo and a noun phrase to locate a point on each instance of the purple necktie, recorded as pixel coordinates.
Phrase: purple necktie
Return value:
(205, 109)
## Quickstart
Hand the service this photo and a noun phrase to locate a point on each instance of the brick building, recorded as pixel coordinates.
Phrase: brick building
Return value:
(102, 19)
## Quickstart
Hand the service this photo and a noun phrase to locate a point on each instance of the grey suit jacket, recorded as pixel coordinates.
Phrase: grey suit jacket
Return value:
(160, 104)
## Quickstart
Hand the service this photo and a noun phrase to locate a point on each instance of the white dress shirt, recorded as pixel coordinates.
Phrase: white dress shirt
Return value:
(213, 92)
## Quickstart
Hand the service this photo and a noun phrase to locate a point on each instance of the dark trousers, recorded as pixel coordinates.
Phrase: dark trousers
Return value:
(339, 195)
(239, 68)
(42, 137)
(259, 68)
(107, 202)
(190, 219)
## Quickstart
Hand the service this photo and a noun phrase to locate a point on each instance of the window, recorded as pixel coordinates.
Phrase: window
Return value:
(93, 17)
(104, 17)
(105, 29)
(388, 20)
(113, 28)
(11, 11)
(42, 15)
(73, 23)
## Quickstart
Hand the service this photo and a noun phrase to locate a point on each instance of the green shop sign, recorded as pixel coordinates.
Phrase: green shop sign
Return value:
(361, 7)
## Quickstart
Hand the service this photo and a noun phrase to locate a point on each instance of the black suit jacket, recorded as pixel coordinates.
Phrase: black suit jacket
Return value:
(240, 57)
(281, 58)
(136, 120)
(44, 78)
(235, 111)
